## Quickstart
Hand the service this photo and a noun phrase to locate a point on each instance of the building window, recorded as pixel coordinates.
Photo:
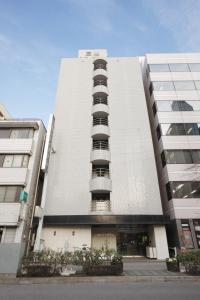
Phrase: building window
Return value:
(154, 109)
(17, 133)
(187, 235)
(195, 67)
(14, 161)
(180, 129)
(180, 157)
(179, 67)
(197, 84)
(168, 190)
(1, 234)
(163, 85)
(163, 105)
(178, 105)
(185, 85)
(159, 68)
(158, 132)
(10, 193)
(197, 231)
(183, 189)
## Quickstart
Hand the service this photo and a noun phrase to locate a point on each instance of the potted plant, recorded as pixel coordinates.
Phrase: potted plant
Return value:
(172, 264)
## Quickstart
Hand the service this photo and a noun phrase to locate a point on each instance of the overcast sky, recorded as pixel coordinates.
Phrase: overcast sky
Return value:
(36, 34)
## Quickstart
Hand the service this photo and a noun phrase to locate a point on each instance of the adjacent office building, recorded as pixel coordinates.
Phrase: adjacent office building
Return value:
(101, 187)
(172, 83)
(21, 145)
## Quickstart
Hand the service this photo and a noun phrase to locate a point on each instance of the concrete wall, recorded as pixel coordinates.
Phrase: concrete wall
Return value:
(133, 172)
(10, 257)
(66, 239)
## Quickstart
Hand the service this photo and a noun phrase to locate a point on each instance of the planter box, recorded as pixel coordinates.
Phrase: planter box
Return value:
(192, 269)
(39, 270)
(103, 270)
(173, 267)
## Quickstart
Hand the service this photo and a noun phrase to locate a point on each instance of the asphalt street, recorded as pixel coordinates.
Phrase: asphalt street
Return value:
(103, 291)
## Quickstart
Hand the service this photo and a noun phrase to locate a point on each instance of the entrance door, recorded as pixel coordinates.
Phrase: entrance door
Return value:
(132, 243)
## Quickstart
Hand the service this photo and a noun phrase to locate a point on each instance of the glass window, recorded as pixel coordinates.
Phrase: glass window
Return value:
(154, 109)
(163, 86)
(5, 133)
(163, 159)
(168, 190)
(8, 161)
(179, 68)
(158, 132)
(173, 129)
(184, 85)
(2, 193)
(195, 156)
(194, 67)
(194, 104)
(178, 157)
(17, 161)
(181, 106)
(1, 160)
(191, 129)
(187, 235)
(163, 105)
(14, 134)
(197, 230)
(12, 193)
(181, 189)
(25, 161)
(159, 68)
(197, 83)
(22, 133)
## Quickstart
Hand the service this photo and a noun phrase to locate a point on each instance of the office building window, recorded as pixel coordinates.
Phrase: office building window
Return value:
(154, 109)
(180, 157)
(158, 132)
(14, 161)
(194, 67)
(10, 193)
(183, 189)
(163, 85)
(197, 231)
(179, 67)
(187, 235)
(17, 133)
(185, 85)
(180, 129)
(159, 68)
(197, 84)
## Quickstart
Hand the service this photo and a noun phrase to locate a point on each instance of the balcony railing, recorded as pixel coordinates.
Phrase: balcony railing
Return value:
(100, 100)
(100, 121)
(100, 145)
(100, 205)
(100, 82)
(100, 172)
(100, 66)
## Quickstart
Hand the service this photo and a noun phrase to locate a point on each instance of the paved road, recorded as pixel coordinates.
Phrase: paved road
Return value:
(103, 291)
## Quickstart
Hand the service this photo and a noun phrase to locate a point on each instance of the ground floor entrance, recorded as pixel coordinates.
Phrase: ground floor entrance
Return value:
(132, 240)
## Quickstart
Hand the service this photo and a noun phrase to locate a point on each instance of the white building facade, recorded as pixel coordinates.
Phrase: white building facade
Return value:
(172, 83)
(21, 146)
(101, 186)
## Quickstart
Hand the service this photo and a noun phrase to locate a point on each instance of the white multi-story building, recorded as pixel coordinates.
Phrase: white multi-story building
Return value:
(172, 84)
(101, 186)
(21, 145)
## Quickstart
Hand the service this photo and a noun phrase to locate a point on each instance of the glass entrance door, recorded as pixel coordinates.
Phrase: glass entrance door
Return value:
(131, 244)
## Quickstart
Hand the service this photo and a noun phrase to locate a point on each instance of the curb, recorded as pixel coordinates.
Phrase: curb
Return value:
(95, 279)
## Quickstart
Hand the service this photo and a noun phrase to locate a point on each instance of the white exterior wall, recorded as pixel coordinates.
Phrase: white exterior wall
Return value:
(133, 172)
(66, 239)
(176, 208)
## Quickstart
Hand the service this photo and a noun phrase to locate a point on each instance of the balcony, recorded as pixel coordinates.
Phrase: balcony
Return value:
(100, 152)
(100, 85)
(100, 72)
(100, 131)
(100, 64)
(100, 206)
(100, 108)
(100, 98)
(100, 180)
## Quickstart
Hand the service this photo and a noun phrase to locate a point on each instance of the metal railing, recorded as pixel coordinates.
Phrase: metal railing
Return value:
(100, 145)
(100, 172)
(100, 82)
(100, 66)
(100, 205)
(100, 121)
(100, 100)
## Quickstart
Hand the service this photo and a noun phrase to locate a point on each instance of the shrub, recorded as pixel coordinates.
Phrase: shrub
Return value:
(191, 261)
